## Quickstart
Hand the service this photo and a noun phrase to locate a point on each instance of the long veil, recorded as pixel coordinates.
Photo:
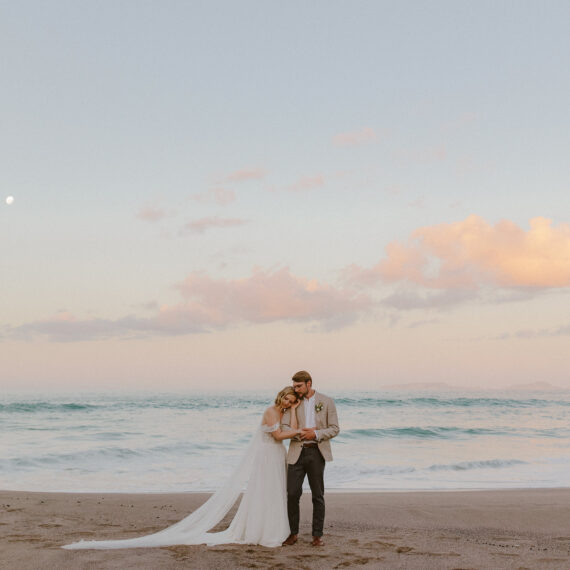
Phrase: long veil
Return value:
(194, 528)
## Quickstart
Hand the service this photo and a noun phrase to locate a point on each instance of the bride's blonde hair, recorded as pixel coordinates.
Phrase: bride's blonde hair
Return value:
(285, 392)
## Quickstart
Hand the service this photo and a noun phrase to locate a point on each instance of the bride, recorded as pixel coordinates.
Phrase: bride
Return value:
(262, 514)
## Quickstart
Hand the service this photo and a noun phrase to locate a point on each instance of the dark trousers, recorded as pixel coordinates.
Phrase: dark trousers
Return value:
(312, 464)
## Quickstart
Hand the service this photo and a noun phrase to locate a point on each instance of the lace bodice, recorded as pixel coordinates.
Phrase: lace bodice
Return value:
(266, 431)
(269, 429)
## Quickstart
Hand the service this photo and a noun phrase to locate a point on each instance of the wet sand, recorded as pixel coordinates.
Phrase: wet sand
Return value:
(420, 530)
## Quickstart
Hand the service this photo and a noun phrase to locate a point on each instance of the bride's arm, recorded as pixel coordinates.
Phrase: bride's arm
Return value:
(280, 434)
(271, 418)
(293, 415)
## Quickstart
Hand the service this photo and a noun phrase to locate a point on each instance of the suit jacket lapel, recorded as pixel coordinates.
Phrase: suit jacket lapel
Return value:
(301, 415)
(317, 415)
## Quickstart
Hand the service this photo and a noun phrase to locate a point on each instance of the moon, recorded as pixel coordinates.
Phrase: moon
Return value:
(10, 200)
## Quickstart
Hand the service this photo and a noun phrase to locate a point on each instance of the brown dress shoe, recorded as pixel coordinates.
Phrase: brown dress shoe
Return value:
(317, 541)
(290, 540)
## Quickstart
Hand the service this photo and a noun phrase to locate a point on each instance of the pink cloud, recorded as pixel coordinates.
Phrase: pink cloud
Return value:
(210, 303)
(204, 224)
(66, 327)
(267, 296)
(219, 195)
(419, 203)
(436, 153)
(394, 189)
(307, 183)
(151, 214)
(472, 253)
(303, 184)
(536, 333)
(74, 329)
(365, 135)
(223, 196)
(460, 121)
(246, 174)
(409, 299)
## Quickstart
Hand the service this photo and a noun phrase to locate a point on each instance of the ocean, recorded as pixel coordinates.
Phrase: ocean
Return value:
(189, 442)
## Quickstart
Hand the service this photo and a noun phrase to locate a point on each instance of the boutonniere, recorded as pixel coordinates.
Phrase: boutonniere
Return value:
(318, 407)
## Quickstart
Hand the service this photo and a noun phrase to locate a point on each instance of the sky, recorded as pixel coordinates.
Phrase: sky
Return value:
(217, 194)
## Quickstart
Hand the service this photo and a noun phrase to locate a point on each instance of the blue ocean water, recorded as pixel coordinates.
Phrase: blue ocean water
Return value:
(190, 442)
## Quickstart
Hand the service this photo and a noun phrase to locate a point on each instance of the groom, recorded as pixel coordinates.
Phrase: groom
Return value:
(318, 420)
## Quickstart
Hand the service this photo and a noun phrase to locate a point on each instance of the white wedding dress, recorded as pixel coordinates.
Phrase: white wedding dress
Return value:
(261, 517)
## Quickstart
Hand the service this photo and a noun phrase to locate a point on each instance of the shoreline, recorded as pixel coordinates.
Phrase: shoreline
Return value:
(518, 528)
(330, 491)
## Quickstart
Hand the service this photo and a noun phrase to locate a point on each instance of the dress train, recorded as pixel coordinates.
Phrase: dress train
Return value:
(260, 519)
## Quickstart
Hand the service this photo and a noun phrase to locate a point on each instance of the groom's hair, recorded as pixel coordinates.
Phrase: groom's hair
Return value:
(302, 376)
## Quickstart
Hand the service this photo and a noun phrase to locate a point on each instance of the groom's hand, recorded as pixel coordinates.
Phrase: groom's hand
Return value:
(308, 434)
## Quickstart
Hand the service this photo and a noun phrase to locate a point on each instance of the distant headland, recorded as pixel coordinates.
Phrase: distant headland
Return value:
(443, 386)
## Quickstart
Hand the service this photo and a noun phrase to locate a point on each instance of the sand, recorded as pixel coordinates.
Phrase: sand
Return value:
(444, 530)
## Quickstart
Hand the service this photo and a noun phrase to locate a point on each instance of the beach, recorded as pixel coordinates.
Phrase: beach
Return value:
(444, 530)
(439, 480)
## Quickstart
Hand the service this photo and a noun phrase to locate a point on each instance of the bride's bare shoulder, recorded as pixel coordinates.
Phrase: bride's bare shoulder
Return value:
(271, 415)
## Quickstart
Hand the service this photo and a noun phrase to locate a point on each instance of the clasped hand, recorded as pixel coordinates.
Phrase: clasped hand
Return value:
(308, 434)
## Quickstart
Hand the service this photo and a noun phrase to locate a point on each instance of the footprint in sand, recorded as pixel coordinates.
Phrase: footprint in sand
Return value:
(356, 562)
(375, 544)
(303, 556)
(403, 549)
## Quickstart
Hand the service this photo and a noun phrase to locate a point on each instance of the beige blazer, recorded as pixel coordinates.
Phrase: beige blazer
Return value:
(327, 424)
